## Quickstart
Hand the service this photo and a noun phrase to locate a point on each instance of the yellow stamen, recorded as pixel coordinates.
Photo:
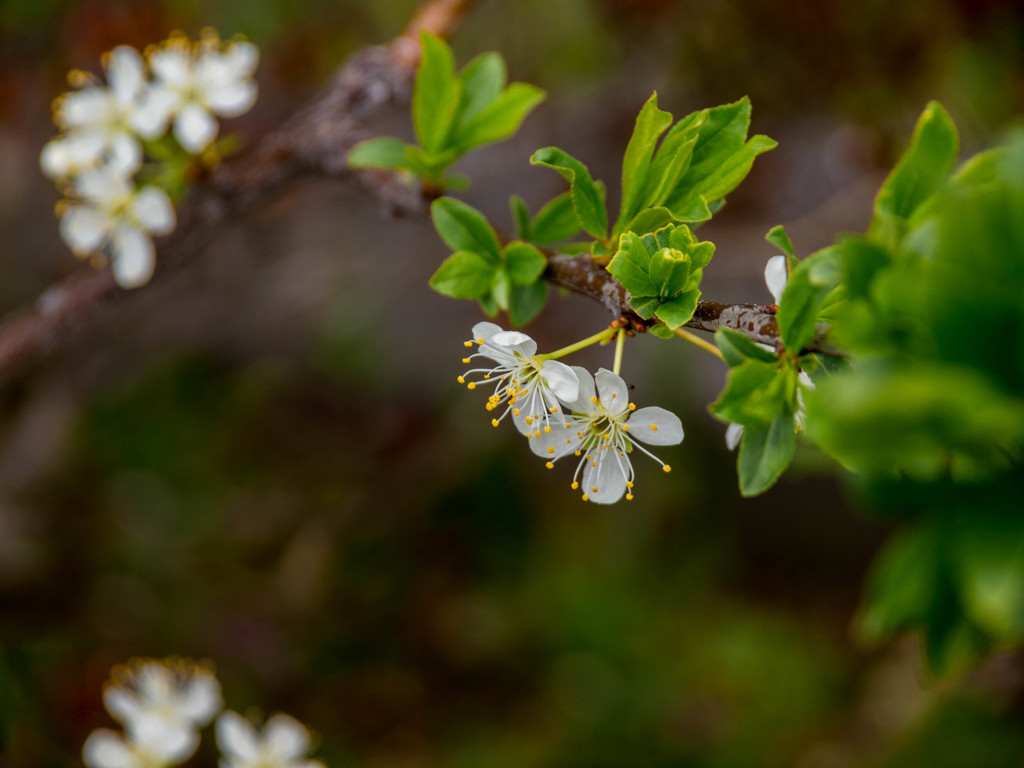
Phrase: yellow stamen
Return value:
(632, 406)
(547, 429)
(515, 411)
(461, 380)
(494, 422)
(553, 409)
(575, 485)
(471, 385)
(550, 465)
(585, 497)
(467, 343)
(480, 340)
(594, 489)
(551, 449)
(593, 399)
(654, 427)
(529, 420)
(465, 360)
(666, 468)
(629, 497)
(629, 483)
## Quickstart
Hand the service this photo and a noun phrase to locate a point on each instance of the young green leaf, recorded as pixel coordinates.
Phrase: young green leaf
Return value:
(482, 80)
(524, 262)
(526, 302)
(919, 173)
(670, 162)
(650, 124)
(520, 216)
(765, 452)
(808, 287)
(756, 393)
(378, 152)
(464, 275)
(777, 236)
(555, 221)
(677, 311)
(464, 228)
(499, 119)
(436, 94)
(587, 199)
(737, 348)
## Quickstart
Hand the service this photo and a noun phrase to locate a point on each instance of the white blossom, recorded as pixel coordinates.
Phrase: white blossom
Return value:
(603, 430)
(194, 82)
(108, 749)
(776, 275)
(108, 212)
(163, 703)
(530, 388)
(284, 742)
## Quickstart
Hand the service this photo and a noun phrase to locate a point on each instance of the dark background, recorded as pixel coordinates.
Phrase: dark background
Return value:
(264, 459)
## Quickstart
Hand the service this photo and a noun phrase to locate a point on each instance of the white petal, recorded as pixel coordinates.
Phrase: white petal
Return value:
(121, 703)
(776, 276)
(583, 403)
(195, 128)
(84, 108)
(804, 379)
(153, 210)
(124, 155)
(102, 185)
(72, 154)
(655, 426)
(237, 738)
(242, 58)
(231, 99)
(153, 111)
(84, 228)
(485, 331)
(608, 477)
(125, 73)
(106, 749)
(515, 341)
(733, 435)
(561, 380)
(562, 438)
(132, 257)
(285, 737)
(172, 65)
(202, 698)
(171, 740)
(612, 391)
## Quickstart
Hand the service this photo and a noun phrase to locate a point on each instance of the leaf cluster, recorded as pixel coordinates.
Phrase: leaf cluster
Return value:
(499, 277)
(453, 112)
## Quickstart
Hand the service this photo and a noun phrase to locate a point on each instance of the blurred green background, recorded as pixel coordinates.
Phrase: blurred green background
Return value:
(264, 459)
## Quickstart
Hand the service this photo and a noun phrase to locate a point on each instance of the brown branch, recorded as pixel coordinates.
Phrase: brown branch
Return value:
(315, 141)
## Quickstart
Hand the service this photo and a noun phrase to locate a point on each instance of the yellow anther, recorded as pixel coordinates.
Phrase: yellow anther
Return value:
(629, 497)
(471, 385)
(654, 427)
(529, 419)
(594, 489)
(629, 483)
(576, 453)
(515, 411)
(551, 449)
(593, 463)
(614, 395)
(494, 422)
(461, 380)
(632, 406)
(666, 468)
(625, 427)
(465, 360)
(550, 465)
(547, 429)
(585, 497)
(607, 435)
(487, 375)
(536, 433)
(569, 442)
(480, 340)
(575, 485)
(593, 399)
(467, 343)
(553, 409)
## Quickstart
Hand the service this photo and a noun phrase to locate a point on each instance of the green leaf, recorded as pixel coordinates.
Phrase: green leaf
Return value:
(649, 220)
(501, 287)
(661, 331)
(521, 216)
(482, 80)
(464, 275)
(919, 173)
(756, 393)
(737, 347)
(670, 162)
(631, 266)
(464, 228)
(645, 306)
(524, 262)
(650, 124)
(765, 452)
(586, 198)
(379, 152)
(679, 310)
(989, 562)
(777, 236)
(526, 301)
(804, 297)
(499, 119)
(436, 94)
(428, 167)
(555, 221)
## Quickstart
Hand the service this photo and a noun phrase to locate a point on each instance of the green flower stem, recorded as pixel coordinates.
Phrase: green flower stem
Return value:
(619, 339)
(603, 335)
(694, 339)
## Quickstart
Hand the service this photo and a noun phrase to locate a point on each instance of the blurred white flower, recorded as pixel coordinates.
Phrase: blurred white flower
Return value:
(107, 749)
(108, 212)
(194, 82)
(604, 429)
(283, 743)
(161, 703)
(531, 388)
(776, 275)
